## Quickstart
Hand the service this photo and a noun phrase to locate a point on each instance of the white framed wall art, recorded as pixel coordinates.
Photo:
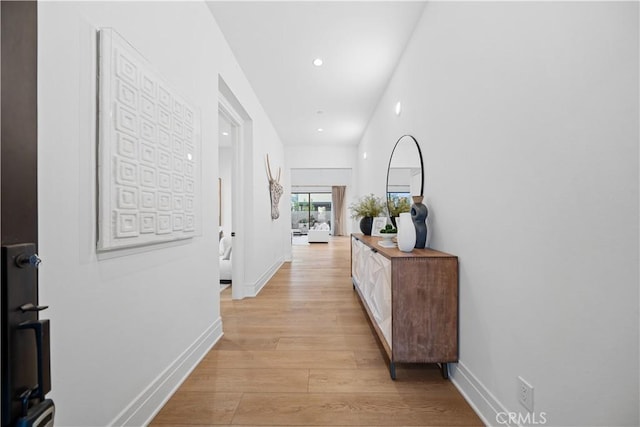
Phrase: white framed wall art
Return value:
(148, 152)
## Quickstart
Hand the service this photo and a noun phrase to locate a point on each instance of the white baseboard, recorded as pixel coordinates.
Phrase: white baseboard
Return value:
(256, 287)
(147, 404)
(483, 402)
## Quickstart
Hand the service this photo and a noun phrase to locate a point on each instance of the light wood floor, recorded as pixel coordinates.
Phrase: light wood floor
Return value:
(303, 354)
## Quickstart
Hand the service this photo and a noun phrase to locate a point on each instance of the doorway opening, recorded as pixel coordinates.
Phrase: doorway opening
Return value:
(227, 139)
(236, 123)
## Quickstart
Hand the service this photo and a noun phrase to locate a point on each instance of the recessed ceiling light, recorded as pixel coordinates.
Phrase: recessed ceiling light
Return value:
(320, 130)
(189, 156)
(364, 155)
(225, 133)
(317, 62)
(398, 108)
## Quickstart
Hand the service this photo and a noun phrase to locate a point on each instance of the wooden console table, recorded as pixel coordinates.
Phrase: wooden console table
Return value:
(411, 300)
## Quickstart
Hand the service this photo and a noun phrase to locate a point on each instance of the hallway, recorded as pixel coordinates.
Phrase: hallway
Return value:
(302, 353)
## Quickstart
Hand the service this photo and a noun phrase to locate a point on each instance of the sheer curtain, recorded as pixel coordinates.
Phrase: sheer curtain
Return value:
(337, 199)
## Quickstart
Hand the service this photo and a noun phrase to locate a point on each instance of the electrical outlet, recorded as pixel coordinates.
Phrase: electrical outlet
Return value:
(525, 394)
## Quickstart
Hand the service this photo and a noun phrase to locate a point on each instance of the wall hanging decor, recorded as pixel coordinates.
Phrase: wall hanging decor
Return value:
(275, 190)
(148, 152)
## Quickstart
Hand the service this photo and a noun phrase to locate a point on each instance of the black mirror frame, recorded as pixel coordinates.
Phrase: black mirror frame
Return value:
(389, 168)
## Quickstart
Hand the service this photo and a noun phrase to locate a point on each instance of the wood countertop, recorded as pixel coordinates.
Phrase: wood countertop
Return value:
(372, 242)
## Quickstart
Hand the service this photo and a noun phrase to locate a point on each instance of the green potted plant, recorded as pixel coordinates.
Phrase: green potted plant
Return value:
(398, 205)
(388, 232)
(366, 208)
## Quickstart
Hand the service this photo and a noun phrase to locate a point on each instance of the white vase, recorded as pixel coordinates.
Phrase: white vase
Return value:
(406, 233)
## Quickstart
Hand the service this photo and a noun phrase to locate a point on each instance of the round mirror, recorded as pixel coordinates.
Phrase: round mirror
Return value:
(405, 176)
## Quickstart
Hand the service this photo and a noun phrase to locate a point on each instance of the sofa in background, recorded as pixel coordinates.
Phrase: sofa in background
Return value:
(224, 254)
(319, 233)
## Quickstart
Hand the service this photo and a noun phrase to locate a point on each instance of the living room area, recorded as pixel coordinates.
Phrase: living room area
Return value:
(318, 202)
(311, 217)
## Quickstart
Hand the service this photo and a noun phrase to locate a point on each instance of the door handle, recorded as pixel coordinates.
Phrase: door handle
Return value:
(30, 307)
(41, 329)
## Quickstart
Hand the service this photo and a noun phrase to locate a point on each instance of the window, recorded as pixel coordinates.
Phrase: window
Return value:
(309, 210)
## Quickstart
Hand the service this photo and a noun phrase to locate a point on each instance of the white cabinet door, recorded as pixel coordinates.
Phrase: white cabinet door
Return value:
(372, 275)
(378, 295)
(368, 279)
(359, 262)
(356, 261)
(360, 268)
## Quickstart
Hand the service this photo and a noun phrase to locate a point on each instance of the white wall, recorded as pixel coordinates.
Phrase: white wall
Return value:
(127, 327)
(527, 115)
(268, 241)
(321, 178)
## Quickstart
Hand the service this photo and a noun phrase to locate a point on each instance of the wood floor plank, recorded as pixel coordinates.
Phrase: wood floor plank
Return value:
(247, 380)
(200, 408)
(367, 359)
(243, 342)
(285, 319)
(328, 328)
(351, 409)
(328, 342)
(288, 408)
(376, 381)
(264, 359)
(302, 353)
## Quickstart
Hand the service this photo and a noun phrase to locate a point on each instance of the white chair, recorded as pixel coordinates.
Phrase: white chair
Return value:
(319, 233)
(225, 259)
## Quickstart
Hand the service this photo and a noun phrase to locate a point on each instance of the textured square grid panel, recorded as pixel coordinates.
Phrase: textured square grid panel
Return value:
(149, 152)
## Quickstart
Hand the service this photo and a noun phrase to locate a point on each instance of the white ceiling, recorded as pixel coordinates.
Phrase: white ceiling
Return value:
(276, 43)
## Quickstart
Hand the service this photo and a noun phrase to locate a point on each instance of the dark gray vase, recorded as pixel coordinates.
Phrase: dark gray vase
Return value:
(419, 214)
(365, 225)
